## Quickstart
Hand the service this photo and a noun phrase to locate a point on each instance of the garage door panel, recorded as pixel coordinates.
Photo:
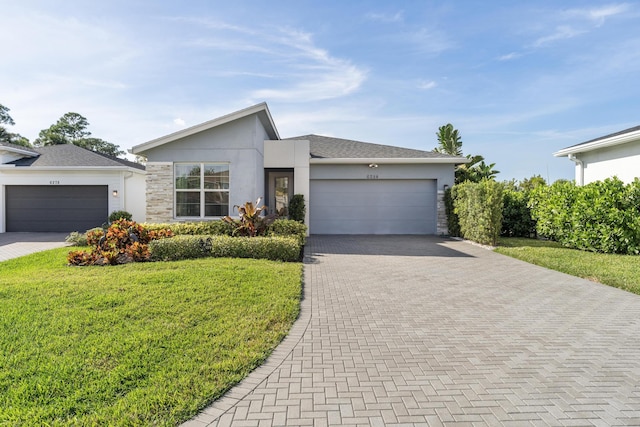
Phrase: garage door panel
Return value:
(55, 208)
(373, 206)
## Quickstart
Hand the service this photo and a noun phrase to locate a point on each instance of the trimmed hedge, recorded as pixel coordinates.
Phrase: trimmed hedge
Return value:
(211, 228)
(453, 222)
(479, 210)
(277, 248)
(516, 215)
(602, 216)
(280, 227)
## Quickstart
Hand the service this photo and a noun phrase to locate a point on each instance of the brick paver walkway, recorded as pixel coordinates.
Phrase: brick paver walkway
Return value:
(415, 331)
(14, 245)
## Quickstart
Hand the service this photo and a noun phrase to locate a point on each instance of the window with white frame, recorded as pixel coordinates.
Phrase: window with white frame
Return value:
(201, 190)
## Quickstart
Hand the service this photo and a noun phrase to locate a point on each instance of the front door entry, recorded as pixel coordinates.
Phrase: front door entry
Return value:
(280, 192)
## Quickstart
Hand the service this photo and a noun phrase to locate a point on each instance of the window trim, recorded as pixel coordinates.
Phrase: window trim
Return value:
(202, 191)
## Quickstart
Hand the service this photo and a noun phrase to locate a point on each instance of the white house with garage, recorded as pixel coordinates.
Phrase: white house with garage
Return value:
(350, 187)
(617, 154)
(65, 188)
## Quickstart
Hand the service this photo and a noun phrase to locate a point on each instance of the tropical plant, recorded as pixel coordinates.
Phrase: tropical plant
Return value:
(123, 242)
(449, 140)
(251, 222)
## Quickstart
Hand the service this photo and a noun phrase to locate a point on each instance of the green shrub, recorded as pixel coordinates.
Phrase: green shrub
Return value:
(516, 215)
(76, 239)
(453, 222)
(186, 247)
(479, 209)
(116, 215)
(297, 208)
(211, 228)
(288, 227)
(603, 216)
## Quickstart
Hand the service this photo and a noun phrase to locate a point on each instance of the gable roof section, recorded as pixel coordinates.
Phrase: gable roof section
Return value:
(69, 155)
(344, 150)
(622, 137)
(18, 149)
(261, 110)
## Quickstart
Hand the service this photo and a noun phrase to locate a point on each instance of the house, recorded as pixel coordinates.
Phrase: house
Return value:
(65, 188)
(350, 187)
(617, 154)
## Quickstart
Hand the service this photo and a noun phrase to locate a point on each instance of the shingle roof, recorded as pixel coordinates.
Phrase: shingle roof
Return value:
(622, 132)
(69, 155)
(18, 147)
(338, 148)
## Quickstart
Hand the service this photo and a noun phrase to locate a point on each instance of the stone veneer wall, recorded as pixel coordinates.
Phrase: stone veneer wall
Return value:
(441, 227)
(159, 192)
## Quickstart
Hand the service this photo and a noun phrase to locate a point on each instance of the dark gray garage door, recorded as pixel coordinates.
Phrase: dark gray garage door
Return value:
(402, 206)
(61, 208)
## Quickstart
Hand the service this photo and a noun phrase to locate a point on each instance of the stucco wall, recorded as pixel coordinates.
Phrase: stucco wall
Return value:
(238, 143)
(622, 161)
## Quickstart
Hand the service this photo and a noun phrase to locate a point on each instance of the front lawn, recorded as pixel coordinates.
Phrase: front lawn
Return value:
(620, 271)
(136, 344)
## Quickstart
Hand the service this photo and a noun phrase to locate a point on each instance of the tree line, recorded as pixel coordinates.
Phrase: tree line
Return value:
(71, 128)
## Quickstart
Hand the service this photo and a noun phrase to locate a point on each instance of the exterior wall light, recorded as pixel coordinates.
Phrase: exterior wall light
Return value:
(115, 193)
(373, 165)
(445, 187)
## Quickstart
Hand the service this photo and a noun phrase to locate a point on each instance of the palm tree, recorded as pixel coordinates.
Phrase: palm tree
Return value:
(449, 140)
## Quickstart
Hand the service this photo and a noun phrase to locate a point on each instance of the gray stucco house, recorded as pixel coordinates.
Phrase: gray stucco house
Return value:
(350, 187)
(616, 154)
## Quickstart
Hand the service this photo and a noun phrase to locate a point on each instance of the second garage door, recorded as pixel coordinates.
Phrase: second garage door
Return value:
(373, 207)
(61, 208)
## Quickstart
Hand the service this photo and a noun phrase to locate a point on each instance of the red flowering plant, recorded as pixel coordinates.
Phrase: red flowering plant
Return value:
(123, 242)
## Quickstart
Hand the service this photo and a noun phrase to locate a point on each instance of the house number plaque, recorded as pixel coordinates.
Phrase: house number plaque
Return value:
(54, 182)
(372, 176)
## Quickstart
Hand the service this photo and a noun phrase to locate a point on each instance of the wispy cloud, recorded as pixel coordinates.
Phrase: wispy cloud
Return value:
(599, 15)
(385, 17)
(426, 85)
(509, 56)
(314, 73)
(561, 32)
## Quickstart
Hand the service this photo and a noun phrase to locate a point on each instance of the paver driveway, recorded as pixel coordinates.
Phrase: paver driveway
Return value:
(399, 330)
(14, 245)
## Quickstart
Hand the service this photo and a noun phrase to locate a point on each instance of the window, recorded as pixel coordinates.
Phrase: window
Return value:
(201, 189)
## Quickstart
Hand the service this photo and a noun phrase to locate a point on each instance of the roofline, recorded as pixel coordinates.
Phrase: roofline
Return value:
(388, 160)
(70, 168)
(27, 151)
(255, 109)
(599, 143)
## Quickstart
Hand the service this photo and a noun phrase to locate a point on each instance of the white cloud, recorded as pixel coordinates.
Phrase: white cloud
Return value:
(599, 15)
(180, 122)
(561, 32)
(384, 17)
(510, 56)
(313, 72)
(426, 85)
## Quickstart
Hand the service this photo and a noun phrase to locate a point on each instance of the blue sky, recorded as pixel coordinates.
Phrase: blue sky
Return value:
(519, 80)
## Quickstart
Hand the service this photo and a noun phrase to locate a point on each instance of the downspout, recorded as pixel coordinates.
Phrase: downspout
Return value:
(580, 165)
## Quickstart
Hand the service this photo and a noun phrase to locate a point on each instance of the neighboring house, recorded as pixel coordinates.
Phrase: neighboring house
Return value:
(65, 188)
(349, 187)
(617, 154)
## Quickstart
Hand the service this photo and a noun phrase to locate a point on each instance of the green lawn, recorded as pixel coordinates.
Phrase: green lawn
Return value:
(137, 344)
(620, 271)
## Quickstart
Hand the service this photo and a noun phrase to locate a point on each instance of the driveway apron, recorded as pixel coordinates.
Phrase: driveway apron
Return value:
(424, 331)
(14, 245)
